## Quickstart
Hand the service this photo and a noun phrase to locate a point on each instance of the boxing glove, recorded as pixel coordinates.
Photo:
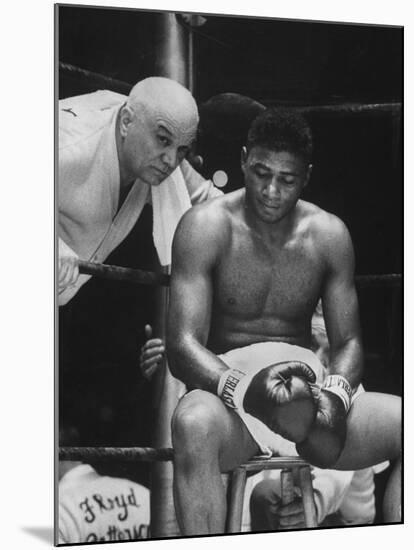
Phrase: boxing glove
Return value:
(326, 439)
(279, 395)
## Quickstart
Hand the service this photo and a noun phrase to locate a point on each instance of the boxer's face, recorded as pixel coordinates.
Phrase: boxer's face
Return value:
(154, 145)
(274, 182)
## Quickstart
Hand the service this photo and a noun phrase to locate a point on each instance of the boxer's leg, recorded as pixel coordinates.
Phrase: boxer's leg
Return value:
(373, 431)
(373, 436)
(208, 438)
(392, 496)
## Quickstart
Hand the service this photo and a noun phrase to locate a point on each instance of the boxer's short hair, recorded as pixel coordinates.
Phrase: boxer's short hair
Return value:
(280, 129)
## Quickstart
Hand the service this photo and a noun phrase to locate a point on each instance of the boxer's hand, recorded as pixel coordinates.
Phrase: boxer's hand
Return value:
(326, 439)
(68, 266)
(152, 354)
(278, 395)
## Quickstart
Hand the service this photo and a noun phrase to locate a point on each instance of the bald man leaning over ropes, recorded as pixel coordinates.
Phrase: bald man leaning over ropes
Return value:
(113, 151)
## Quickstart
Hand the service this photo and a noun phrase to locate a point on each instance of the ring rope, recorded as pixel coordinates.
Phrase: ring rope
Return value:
(113, 454)
(149, 454)
(139, 276)
(100, 79)
(346, 108)
(336, 108)
(128, 274)
(388, 279)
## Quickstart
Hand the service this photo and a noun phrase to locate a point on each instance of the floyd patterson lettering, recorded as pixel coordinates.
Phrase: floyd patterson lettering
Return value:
(113, 533)
(98, 504)
(97, 509)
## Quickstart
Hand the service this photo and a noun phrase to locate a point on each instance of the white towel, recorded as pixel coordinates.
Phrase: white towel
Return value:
(101, 100)
(170, 200)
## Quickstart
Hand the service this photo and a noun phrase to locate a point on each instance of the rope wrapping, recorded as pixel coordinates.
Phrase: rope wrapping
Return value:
(102, 81)
(138, 276)
(114, 454)
(389, 279)
(116, 273)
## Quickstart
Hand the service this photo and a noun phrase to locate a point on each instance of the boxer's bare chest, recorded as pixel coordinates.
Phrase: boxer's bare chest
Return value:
(275, 282)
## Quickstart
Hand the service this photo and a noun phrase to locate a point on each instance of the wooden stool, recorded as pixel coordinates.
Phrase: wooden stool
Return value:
(238, 484)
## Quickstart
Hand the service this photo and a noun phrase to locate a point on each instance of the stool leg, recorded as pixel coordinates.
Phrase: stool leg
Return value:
(235, 509)
(286, 486)
(307, 496)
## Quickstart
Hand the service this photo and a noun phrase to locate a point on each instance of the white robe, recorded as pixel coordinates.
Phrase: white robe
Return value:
(89, 185)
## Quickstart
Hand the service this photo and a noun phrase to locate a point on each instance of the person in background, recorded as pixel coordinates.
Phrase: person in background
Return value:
(100, 508)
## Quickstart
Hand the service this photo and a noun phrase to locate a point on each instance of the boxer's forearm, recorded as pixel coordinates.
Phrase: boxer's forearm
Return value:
(194, 365)
(347, 361)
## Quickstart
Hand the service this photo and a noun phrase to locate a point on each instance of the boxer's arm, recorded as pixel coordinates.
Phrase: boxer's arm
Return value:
(326, 439)
(196, 248)
(340, 306)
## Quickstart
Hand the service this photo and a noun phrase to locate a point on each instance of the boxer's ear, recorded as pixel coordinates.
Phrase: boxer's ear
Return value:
(243, 156)
(308, 174)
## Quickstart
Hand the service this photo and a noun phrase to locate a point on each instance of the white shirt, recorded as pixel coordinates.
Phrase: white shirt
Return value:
(96, 508)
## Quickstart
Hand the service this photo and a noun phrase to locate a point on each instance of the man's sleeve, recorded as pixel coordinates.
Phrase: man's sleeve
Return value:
(330, 488)
(69, 531)
(199, 189)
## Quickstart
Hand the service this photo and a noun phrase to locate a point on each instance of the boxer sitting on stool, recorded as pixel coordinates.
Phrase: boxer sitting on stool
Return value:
(248, 270)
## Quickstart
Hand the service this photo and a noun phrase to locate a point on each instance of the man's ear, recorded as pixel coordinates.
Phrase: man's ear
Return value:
(125, 119)
(308, 174)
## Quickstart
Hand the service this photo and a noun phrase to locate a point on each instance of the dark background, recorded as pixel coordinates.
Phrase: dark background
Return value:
(357, 175)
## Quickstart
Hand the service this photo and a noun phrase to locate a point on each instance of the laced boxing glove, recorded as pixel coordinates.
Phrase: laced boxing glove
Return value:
(326, 439)
(279, 395)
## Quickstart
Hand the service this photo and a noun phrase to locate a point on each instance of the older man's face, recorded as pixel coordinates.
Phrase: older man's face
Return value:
(155, 144)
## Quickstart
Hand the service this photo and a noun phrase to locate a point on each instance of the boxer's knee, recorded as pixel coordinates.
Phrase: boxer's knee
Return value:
(390, 425)
(373, 431)
(196, 424)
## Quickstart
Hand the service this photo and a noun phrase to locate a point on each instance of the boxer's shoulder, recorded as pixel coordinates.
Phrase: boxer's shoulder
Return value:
(210, 217)
(324, 226)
